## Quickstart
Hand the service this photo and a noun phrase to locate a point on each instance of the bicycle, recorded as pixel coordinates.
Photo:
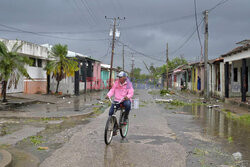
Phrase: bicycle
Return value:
(112, 126)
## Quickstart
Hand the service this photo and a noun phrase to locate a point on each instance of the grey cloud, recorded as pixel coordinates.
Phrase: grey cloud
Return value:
(228, 24)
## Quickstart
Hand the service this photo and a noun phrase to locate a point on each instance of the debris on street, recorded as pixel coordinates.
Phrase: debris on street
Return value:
(163, 100)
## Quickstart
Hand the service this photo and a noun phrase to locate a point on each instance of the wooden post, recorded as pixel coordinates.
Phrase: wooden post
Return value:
(244, 81)
(206, 86)
(167, 67)
(227, 80)
(77, 80)
(48, 83)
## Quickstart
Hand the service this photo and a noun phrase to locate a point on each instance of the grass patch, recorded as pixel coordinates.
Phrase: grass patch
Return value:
(244, 119)
(4, 130)
(230, 139)
(200, 152)
(152, 92)
(36, 140)
(169, 107)
(5, 146)
(225, 110)
(97, 110)
(164, 92)
(177, 103)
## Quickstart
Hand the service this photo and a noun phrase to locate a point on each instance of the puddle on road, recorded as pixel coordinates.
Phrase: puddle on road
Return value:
(234, 135)
(155, 140)
(56, 133)
(76, 104)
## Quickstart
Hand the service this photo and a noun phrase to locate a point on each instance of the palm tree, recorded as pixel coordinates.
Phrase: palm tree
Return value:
(60, 65)
(12, 66)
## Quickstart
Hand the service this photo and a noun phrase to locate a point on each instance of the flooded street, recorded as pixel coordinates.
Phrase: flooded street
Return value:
(182, 133)
(190, 135)
(233, 134)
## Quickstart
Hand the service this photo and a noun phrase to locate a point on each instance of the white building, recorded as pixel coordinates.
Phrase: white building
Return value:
(39, 55)
(237, 71)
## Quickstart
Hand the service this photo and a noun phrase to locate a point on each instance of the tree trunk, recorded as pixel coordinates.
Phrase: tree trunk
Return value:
(4, 91)
(57, 86)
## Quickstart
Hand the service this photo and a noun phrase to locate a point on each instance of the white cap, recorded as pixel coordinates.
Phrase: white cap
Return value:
(122, 74)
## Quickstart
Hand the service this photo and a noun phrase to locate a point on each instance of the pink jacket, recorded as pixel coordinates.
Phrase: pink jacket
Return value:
(121, 90)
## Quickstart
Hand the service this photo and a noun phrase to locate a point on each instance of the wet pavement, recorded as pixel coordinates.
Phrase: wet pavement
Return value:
(232, 134)
(149, 143)
(26, 129)
(160, 134)
(48, 106)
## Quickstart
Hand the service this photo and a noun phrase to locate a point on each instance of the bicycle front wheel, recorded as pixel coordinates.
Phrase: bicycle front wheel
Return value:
(109, 130)
(123, 127)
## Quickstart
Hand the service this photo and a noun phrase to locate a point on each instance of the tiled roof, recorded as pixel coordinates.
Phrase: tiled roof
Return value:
(237, 50)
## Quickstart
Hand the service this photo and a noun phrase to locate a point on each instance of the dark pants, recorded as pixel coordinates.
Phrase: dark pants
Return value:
(126, 104)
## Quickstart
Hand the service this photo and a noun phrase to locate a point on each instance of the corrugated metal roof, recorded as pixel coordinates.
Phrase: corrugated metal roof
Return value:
(237, 50)
(105, 65)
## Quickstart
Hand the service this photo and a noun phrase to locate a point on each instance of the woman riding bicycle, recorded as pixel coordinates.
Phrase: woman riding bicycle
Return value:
(122, 89)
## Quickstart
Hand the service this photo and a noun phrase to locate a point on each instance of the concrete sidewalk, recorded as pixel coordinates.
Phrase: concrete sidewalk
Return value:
(238, 102)
(49, 106)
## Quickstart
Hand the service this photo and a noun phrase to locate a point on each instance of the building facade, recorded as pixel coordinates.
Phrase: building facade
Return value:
(39, 55)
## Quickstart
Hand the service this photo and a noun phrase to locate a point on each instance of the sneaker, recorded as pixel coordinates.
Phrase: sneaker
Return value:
(115, 133)
(125, 122)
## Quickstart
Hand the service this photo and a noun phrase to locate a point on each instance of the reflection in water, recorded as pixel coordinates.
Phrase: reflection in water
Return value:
(77, 104)
(115, 155)
(216, 123)
(85, 99)
(109, 156)
(221, 125)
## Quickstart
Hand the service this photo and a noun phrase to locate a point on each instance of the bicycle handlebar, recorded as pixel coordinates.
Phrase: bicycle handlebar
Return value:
(116, 103)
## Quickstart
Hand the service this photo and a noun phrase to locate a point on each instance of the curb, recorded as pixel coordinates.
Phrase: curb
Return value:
(62, 117)
(240, 104)
(84, 115)
(6, 158)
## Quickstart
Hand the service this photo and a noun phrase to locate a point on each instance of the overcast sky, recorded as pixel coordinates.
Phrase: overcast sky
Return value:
(148, 26)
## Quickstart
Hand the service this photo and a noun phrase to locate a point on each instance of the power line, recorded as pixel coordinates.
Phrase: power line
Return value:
(197, 28)
(89, 10)
(140, 53)
(102, 58)
(64, 32)
(218, 4)
(79, 11)
(39, 34)
(160, 22)
(124, 28)
(184, 43)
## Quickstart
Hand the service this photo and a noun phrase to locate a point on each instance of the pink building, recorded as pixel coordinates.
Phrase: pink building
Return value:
(94, 78)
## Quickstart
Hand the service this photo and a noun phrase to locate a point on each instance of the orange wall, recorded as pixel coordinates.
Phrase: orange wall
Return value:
(32, 87)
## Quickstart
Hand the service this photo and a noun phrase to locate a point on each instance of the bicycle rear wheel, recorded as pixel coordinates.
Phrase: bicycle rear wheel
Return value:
(123, 127)
(109, 130)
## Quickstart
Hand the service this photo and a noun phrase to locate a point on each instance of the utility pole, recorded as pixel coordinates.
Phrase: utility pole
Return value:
(206, 85)
(132, 70)
(112, 54)
(123, 57)
(113, 47)
(167, 67)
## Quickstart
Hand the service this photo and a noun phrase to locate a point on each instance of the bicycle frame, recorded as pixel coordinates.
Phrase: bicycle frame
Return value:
(116, 108)
(115, 125)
